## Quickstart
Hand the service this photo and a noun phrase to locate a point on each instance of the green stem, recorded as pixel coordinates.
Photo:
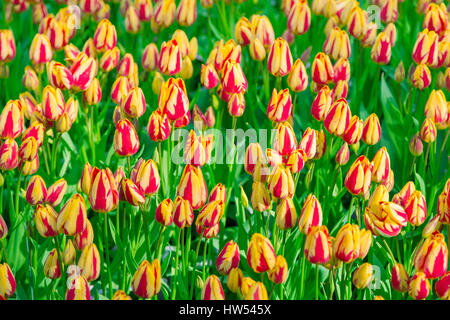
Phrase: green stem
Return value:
(175, 281)
(204, 259)
(106, 247)
(302, 276)
(61, 265)
(194, 265)
(317, 281)
(18, 192)
(54, 152)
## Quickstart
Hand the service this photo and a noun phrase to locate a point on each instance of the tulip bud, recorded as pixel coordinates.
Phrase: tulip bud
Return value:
(146, 281)
(416, 208)
(400, 279)
(146, 176)
(372, 131)
(187, 12)
(9, 154)
(281, 183)
(286, 215)
(45, 218)
(208, 76)
(93, 94)
(40, 50)
(163, 213)
(415, 145)
(7, 281)
(321, 103)
(299, 19)
(183, 214)
(192, 186)
(257, 50)
(83, 71)
(284, 141)
(236, 105)
(279, 61)
(8, 51)
(212, 289)
(370, 35)
(89, 263)
(56, 192)
(298, 79)
(432, 256)
(280, 106)
(311, 215)
(78, 289)
(338, 118)
(381, 49)
(442, 287)
(428, 131)
(110, 59)
(399, 75)
(235, 279)
(105, 36)
(279, 273)
(343, 155)
(308, 143)
(426, 48)
(51, 265)
(228, 258)
(318, 245)
(85, 238)
(419, 286)
(421, 78)
(73, 216)
(119, 294)
(347, 243)
(69, 254)
(173, 99)
(436, 108)
(260, 254)
(381, 166)
(363, 276)
(257, 291)
(3, 228)
(263, 30)
(387, 220)
(357, 21)
(103, 194)
(159, 126)
(322, 71)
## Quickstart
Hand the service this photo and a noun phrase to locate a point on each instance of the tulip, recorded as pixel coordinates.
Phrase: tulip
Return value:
(257, 50)
(337, 44)
(432, 256)
(233, 78)
(381, 166)
(298, 78)
(243, 32)
(400, 279)
(103, 194)
(286, 215)
(69, 253)
(263, 30)
(318, 245)
(403, 196)
(281, 183)
(308, 143)
(163, 213)
(279, 273)
(426, 48)
(322, 70)
(183, 215)
(85, 238)
(419, 286)
(260, 254)
(371, 131)
(8, 45)
(435, 18)
(228, 258)
(381, 49)
(260, 198)
(83, 71)
(7, 281)
(45, 218)
(170, 58)
(132, 22)
(279, 61)
(284, 141)
(110, 59)
(296, 161)
(347, 243)
(338, 118)
(387, 220)
(436, 108)
(343, 155)
(30, 79)
(212, 289)
(150, 57)
(9, 154)
(159, 126)
(53, 104)
(389, 11)
(40, 50)
(235, 279)
(209, 77)
(416, 208)
(192, 186)
(187, 12)
(3, 228)
(51, 265)
(125, 66)
(253, 155)
(362, 277)
(29, 167)
(366, 237)
(280, 106)
(146, 176)
(146, 282)
(56, 192)
(321, 103)
(89, 263)
(257, 291)
(428, 131)
(211, 214)
(356, 23)
(341, 70)
(11, 120)
(415, 145)
(105, 36)
(442, 287)
(228, 51)
(421, 78)
(121, 295)
(219, 192)
(399, 74)
(59, 75)
(93, 94)
(72, 218)
(299, 18)
(173, 99)
(78, 289)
